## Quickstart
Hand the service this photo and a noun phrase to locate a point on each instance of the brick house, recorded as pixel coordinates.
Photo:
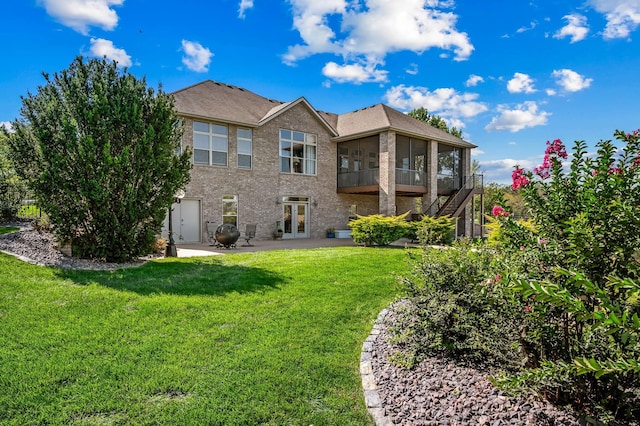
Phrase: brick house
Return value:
(266, 162)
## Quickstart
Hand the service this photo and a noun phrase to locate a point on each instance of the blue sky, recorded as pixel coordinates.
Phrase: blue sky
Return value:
(510, 74)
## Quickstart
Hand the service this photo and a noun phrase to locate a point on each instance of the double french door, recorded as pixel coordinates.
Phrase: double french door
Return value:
(296, 217)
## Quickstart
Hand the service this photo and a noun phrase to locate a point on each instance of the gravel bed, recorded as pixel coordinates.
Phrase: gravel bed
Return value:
(439, 392)
(40, 248)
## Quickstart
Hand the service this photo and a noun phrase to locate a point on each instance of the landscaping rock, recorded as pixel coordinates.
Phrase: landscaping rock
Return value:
(439, 392)
(40, 247)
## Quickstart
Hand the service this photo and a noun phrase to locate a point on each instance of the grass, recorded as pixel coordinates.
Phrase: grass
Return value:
(8, 229)
(29, 211)
(269, 338)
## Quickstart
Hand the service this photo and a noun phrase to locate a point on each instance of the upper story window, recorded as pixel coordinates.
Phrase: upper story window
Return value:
(245, 143)
(298, 152)
(210, 144)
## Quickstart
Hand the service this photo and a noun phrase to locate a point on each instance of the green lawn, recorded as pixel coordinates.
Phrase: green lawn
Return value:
(241, 339)
(8, 229)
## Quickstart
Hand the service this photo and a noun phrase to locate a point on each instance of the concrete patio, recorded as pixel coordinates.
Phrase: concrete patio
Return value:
(203, 249)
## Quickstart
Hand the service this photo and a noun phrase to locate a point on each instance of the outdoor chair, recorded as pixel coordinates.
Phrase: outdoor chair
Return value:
(211, 234)
(249, 233)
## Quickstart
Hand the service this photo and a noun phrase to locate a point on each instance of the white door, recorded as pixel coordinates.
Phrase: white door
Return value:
(296, 220)
(189, 221)
(185, 221)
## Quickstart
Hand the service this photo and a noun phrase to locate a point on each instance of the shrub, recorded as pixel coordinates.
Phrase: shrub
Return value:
(581, 334)
(459, 306)
(378, 230)
(98, 149)
(564, 291)
(12, 188)
(432, 230)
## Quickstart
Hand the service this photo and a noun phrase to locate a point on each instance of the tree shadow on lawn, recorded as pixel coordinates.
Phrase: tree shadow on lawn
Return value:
(186, 278)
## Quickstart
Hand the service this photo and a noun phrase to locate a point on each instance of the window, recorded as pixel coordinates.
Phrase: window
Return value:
(230, 209)
(178, 150)
(210, 144)
(244, 148)
(297, 152)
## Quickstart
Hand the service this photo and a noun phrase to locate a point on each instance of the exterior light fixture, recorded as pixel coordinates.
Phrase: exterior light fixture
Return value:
(171, 250)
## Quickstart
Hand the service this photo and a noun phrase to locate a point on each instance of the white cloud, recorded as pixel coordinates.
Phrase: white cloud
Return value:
(197, 58)
(244, 6)
(7, 125)
(500, 170)
(374, 28)
(355, 73)
(531, 26)
(473, 80)
(445, 102)
(476, 152)
(623, 16)
(524, 115)
(101, 47)
(82, 14)
(413, 69)
(570, 80)
(520, 83)
(576, 28)
(550, 92)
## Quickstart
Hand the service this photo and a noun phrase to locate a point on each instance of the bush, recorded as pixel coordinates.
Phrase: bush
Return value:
(378, 230)
(582, 333)
(12, 188)
(459, 306)
(561, 289)
(98, 149)
(434, 230)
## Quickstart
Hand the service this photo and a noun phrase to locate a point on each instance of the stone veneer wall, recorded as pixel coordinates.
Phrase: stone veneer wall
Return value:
(259, 188)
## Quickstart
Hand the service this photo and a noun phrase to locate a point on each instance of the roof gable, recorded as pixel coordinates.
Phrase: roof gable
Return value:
(218, 101)
(281, 109)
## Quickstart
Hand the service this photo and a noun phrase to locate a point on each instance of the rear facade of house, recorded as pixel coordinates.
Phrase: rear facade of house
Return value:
(286, 164)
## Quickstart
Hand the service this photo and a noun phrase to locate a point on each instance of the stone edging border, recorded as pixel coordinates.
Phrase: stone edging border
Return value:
(371, 396)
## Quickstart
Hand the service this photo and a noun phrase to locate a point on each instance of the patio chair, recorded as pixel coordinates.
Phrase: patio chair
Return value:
(211, 234)
(249, 233)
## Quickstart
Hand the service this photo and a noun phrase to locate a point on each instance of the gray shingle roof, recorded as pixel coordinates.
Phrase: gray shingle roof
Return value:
(382, 117)
(223, 102)
(219, 101)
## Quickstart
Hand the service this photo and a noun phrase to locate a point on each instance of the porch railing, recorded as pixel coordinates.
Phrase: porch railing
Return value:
(475, 181)
(359, 178)
(411, 177)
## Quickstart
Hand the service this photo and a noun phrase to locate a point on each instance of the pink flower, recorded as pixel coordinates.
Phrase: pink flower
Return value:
(519, 178)
(527, 308)
(498, 277)
(499, 211)
(615, 171)
(554, 149)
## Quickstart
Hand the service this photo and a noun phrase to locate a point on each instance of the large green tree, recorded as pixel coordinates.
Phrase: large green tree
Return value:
(99, 150)
(12, 188)
(423, 114)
